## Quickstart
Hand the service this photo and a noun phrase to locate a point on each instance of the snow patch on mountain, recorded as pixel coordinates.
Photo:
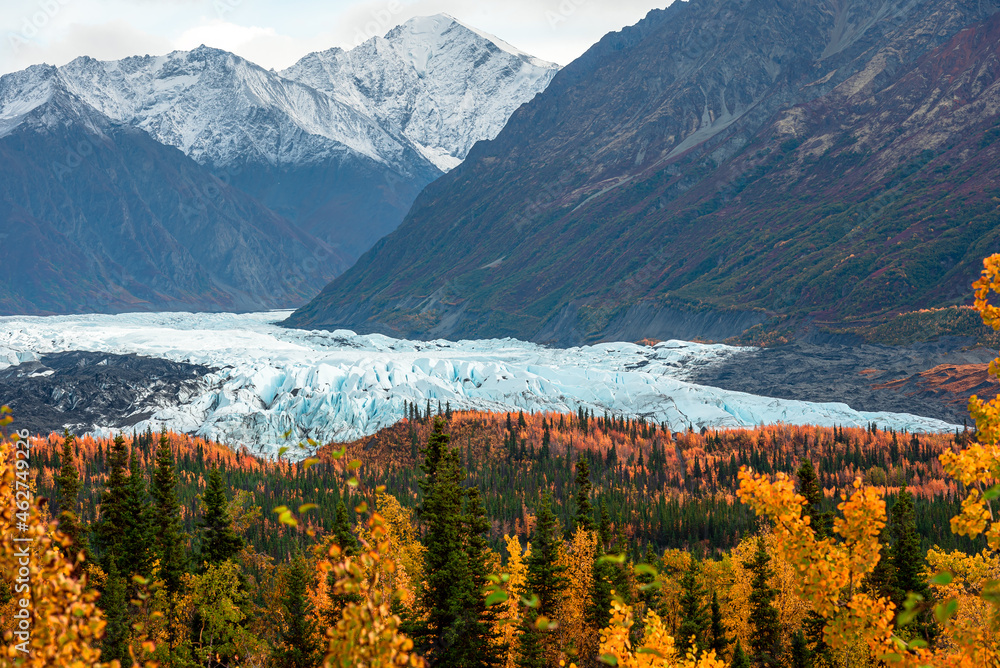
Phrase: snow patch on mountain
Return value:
(443, 84)
(339, 386)
(427, 91)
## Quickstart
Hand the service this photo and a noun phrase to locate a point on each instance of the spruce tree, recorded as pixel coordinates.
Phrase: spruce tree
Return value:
(717, 639)
(810, 489)
(135, 558)
(908, 561)
(694, 617)
(740, 658)
(765, 636)
(113, 601)
(444, 557)
(604, 527)
(584, 511)
(882, 580)
(477, 645)
(546, 580)
(342, 531)
(445, 561)
(112, 523)
(604, 575)
(297, 649)
(800, 657)
(168, 538)
(219, 541)
(68, 485)
(598, 612)
(649, 593)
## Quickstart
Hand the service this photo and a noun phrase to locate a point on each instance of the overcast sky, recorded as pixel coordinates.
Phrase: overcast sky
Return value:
(276, 33)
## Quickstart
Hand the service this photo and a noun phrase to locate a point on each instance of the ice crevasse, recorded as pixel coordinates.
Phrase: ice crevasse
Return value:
(267, 381)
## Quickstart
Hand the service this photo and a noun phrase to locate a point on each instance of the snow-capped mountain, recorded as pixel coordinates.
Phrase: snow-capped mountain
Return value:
(339, 153)
(266, 380)
(432, 86)
(440, 83)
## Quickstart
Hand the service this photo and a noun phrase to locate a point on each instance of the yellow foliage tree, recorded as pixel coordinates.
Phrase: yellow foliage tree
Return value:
(975, 618)
(217, 600)
(574, 634)
(404, 549)
(792, 609)
(674, 564)
(509, 617)
(367, 633)
(829, 574)
(51, 618)
(657, 649)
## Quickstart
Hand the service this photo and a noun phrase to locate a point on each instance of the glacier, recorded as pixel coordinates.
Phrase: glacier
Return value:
(268, 381)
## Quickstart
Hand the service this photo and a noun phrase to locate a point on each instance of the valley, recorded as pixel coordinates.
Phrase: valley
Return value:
(248, 382)
(429, 352)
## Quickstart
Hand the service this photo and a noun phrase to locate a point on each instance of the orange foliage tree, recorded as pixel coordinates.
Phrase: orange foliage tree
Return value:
(50, 618)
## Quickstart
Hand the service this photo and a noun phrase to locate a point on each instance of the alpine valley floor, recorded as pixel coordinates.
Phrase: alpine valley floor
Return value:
(243, 380)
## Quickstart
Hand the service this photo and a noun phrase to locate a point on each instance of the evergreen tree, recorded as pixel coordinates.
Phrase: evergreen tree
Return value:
(604, 527)
(740, 658)
(135, 557)
(446, 566)
(800, 657)
(545, 580)
(810, 489)
(694, 617)
(111, 527)
(115, 606)
(598, 611)
(908, 561)
(168, 538)
(717, 639)
(477, 641)
(649, 594)
(297, 646)
(458, 629)
(882, 580)
(219, 541)
(584, 511)
(342, 531)
(765, 636)
(68, 485)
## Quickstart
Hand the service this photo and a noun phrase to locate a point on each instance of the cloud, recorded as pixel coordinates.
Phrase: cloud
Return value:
(104, 41)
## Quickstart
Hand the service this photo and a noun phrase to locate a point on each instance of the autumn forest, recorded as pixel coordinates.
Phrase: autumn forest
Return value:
(510, 540)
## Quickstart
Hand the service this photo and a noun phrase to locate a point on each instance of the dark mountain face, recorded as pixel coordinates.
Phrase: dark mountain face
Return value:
(349, 202)
(103, 218)
(716, 165)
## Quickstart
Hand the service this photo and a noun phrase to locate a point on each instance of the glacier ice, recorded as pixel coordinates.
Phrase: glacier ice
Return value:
(339, 386)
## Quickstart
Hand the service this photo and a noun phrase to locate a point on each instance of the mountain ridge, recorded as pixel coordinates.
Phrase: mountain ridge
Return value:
(313, 176)
(646, 180)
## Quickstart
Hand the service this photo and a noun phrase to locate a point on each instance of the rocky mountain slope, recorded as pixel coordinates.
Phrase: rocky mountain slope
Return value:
(718, 165)
(336, 154)
(99, 216)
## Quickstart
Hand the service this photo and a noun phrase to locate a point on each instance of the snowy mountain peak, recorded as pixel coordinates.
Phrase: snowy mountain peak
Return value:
(426, 28)
(40, 97)
(420, 96)
(439, 83)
